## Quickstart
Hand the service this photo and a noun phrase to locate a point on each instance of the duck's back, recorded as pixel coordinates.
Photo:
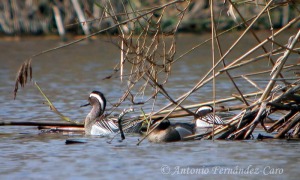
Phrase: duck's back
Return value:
(175, 132)
(184, 129)
(168, 135)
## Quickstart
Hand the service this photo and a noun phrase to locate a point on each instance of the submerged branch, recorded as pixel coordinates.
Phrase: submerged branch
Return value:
(26, 123)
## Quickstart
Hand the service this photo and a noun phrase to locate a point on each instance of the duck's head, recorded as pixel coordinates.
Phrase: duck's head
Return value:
(162, 124)
(96, 98)
(204, 110)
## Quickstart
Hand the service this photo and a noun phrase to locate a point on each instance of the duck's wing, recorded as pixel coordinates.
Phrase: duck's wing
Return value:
(184, 129)
(104, 127)
(132, 125)
(208, 120)
(129, 125)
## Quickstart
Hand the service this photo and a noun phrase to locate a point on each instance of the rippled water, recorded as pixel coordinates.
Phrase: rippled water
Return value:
(68, 75)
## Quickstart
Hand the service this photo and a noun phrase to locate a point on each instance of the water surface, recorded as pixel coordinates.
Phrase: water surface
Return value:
(68, 75)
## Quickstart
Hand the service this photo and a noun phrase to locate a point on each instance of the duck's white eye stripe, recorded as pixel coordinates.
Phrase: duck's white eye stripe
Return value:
(204, 108)
(99, 99)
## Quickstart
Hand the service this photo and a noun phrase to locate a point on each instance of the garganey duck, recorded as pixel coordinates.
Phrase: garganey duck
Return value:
(97, 123)
(170, 132)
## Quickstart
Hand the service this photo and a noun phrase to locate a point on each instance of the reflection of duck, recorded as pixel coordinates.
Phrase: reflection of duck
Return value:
(96, 123)
(206, 117)
(167, 132)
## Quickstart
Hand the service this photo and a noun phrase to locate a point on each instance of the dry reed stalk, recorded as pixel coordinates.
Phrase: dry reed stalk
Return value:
(227, 73)
(53, 108)
(275, 73)
(220, 34)
(20, 73)
(294, 121)
(254, 59)
(213, 61)
(150, 56)
(229, 99)
(249, 123)
(202, 81)
(254, 34)
(262, 43)
(266, 71)
(236, 127)
(279, 122)
(252, 83)
(61, 129)
(278, 66)
(176, 60)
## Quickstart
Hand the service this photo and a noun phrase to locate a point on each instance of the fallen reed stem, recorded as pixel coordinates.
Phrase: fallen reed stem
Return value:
(53, 108)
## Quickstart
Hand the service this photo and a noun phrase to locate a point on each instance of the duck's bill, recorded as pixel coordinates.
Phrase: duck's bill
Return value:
(88, 104)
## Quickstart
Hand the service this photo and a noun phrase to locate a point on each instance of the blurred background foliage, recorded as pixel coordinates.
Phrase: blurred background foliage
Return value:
(36, 17)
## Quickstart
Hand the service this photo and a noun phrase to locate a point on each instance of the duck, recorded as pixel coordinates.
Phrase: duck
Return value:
(97, 123)
(205, 117)
(170, 132)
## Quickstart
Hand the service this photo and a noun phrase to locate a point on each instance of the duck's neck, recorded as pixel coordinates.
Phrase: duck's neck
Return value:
(91, 118)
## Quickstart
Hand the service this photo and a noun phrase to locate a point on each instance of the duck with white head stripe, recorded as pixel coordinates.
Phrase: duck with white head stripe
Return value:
(96, 122)
(206, 118)
(170, 132)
